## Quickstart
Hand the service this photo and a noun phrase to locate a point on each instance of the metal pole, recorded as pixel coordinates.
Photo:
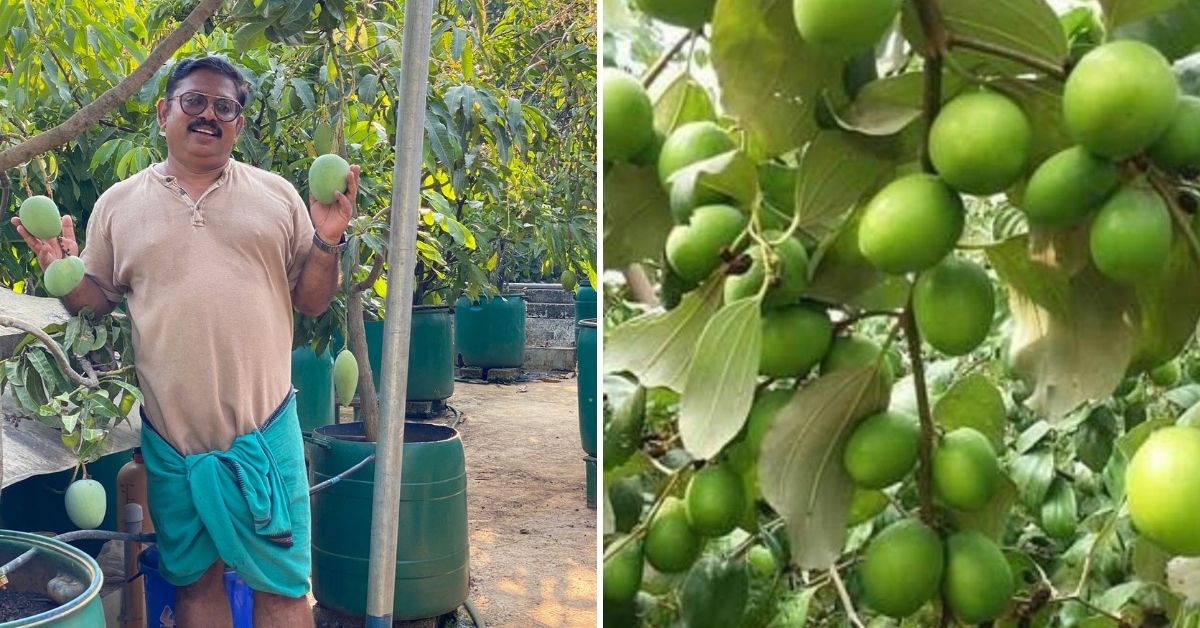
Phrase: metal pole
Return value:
(406, 182)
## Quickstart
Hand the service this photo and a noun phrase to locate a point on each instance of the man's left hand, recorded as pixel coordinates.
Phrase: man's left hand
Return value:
(331, 220)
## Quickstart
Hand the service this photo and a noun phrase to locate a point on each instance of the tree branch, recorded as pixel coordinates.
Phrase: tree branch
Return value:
(1173, 206)
(661, 63)
(964, 41)
(851, 614)
(111, 99)
(376, 271)
(639, 285)
(90, 380)
(368, 405)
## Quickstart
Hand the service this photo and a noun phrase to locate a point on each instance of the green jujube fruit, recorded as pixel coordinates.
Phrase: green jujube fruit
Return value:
(882, 449)
(623, 573)
(911, 224)
(345, 376)
(843, 26)
(628, 116)
(980, 143)
(1130, 238)
(689, 14)
(715, 500)
(328, 174)
(953, 304)
(1067, 186)
(978, 582)
(966, 472)
(852, 351)
(694, 249)
(794, 340)
(1162, 484)
(63, 275)
(686, 145)
(901, 568)
(1179, 146)
(39, 215)
(790, 266)
(1120, 98)
(671, 544)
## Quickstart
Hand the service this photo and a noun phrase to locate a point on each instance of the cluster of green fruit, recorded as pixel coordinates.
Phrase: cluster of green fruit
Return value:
(39, 215)
(904, 566)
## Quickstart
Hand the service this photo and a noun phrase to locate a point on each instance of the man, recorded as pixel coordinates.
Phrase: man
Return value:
(212, 255)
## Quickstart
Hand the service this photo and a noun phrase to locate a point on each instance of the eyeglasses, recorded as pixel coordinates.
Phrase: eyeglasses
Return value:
(194, 104)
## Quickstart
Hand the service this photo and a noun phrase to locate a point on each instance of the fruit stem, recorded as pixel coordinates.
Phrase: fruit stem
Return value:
(661, 63)
(854, 318)
(933, 105)
(925, 469)
(851, 614)
(965, 41)
(642, 526)
(1178, 214)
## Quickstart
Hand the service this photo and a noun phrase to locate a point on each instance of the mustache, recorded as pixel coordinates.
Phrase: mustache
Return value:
(198, 124)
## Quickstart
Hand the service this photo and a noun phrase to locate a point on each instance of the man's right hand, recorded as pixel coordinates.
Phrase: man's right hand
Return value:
(50, 250)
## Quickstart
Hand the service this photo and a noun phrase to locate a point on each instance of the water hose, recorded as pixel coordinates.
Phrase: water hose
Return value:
(77, 535)
(474, 613)
(341, 476)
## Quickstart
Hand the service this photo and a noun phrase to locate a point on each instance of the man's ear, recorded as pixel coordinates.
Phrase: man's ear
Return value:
(162, 108)
(241, 123)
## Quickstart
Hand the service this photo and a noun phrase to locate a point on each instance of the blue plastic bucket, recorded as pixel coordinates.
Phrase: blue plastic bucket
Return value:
(160, 595)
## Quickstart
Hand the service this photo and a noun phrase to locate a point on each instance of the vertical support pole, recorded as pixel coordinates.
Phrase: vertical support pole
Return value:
(406, 185)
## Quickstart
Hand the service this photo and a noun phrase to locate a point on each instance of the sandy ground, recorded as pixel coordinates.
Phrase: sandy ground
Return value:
(533, 538)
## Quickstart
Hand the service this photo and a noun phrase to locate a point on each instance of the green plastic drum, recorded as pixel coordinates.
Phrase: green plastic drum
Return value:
(585, 360)
(585, 303)
(312, 377)
(432, 571)
(54, 558)
(430, 353)
(490, 333)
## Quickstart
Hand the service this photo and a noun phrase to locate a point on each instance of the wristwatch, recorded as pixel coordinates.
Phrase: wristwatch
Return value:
(335, 249)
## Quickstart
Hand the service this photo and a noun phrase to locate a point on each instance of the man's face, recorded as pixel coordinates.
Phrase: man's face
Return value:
(202, 136)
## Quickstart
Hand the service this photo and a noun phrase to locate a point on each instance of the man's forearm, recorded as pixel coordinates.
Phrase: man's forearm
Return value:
(318, 280)
(87, 295)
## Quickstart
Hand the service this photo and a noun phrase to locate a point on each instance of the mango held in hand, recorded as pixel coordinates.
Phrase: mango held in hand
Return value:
(326, 176)
(39, 216)
(86, 503)
(345, 376)
(63, 275)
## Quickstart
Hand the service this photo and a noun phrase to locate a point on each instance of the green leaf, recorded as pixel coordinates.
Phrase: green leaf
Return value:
(1120, 12)
(1039, 281)
(1167, 307)
(1175, 32)
(637, 215)
(800, 469)
(70, 421)
(793, 609)
(992, 519)
(304, 92)
(1133, 439)
(1113, 599)
(837, 170)
(1074, 357)
(682, 102)
(1031, 436)
(732, 174)
(1060, 513)
(1149, 561)
(843, 275)
(975, 402)
(1032, 474)
(251, 35)
(1041, 100)
(719, 388)
(1094, 438)
(657, 348)
(1028, 26)
(885, 106)
(770, 79)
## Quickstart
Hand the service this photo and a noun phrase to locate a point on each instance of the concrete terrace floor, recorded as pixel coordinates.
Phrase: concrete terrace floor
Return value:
(533, 538)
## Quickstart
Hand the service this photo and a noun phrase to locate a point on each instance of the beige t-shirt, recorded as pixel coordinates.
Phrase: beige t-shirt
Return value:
(209, 287)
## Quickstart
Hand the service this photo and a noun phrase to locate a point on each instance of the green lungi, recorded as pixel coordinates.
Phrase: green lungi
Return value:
(247, 505)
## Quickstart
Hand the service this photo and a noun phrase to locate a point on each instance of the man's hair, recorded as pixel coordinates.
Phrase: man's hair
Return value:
(214, 64)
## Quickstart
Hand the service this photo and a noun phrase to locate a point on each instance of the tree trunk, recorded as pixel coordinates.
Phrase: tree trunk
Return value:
(368, 398)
